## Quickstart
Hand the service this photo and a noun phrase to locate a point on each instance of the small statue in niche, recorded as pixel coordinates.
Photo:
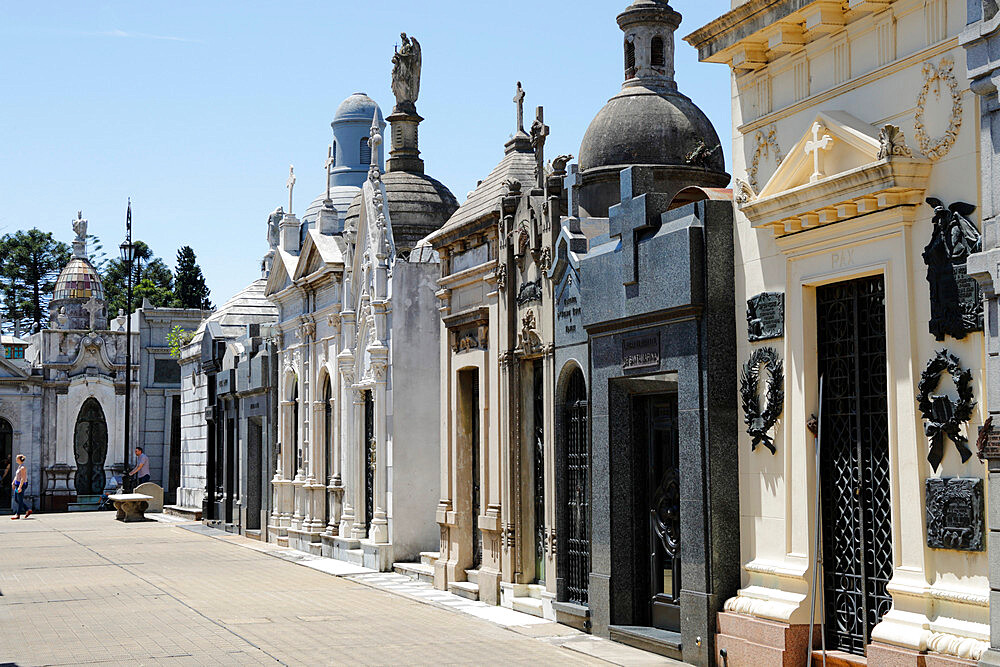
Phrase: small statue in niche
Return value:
(956, 306)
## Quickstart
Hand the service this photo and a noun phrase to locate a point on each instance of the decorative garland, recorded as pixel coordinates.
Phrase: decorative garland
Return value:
(765, 144)
(758, 421)
(943, 417)
(938, 147)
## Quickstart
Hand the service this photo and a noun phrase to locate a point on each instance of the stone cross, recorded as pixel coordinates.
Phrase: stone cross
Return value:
(539, 132)
(290, 184)
(572, 182)
(329, 167)
(639, 208)
(93, 307)
(814, 146)
(519, 105)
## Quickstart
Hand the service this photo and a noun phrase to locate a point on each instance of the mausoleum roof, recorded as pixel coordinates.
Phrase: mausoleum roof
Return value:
(248, 306)
(78, 280)
(357, 107)
(418, 205)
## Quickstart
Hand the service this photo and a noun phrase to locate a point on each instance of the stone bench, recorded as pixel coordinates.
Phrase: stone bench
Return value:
(131, 506)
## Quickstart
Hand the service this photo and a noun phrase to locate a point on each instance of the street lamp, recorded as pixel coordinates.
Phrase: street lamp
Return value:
(128, 256)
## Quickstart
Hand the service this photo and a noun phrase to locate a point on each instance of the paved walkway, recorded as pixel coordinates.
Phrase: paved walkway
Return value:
(85, 589)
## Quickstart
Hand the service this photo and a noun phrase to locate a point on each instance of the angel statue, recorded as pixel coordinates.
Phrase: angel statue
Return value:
(406, 63)
(80, 227)
(273, 223)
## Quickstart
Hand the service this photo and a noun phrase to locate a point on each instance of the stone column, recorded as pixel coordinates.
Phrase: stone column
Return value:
(981, 40)
(354, 445)
(380, 522)
(335, 488)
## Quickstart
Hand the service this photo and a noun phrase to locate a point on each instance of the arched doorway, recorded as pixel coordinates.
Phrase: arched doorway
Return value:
(328, 429)
(90, 446)
(7, 466)
(576, 469)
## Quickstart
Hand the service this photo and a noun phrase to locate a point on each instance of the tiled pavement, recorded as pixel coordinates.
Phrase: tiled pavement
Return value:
(86, 589)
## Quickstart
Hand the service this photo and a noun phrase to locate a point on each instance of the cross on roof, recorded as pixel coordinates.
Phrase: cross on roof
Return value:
(639, 210)
(290, 183)
(519, 105)
(94, 307)
(814, 146)
(329, 165)
(572, 182)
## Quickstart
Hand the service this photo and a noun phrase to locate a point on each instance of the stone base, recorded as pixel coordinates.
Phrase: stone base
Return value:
(189, 513)
(574, 615)
(326, 550)
(489, 586)
(377, 556)
(990, 658)
(745, 640)
(895, 656)
(348, 550)
(301, 540)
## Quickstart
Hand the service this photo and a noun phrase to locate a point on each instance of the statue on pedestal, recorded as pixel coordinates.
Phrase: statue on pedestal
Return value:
(406, 62)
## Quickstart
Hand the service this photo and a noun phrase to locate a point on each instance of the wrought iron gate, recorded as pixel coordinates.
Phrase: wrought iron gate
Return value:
(90, 447)
(578, 490)
(857, 530)
(369, 445)
(477, 534)
(659, 415)
(538, 402)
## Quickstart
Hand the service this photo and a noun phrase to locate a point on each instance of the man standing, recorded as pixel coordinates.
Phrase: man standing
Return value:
(142, 466)
(20, 484)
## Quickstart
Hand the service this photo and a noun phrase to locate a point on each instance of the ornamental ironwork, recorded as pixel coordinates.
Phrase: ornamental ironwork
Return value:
(943, 416)
(759, 421)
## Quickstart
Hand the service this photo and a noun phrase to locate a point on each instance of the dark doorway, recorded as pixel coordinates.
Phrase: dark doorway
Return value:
(654, 423)
(7, 466)
(369, 445)
(174, 468)
(538, 466)
(468, 382)
(857, 529)
(577, 485)
(328, 429)
(232, 464)
(255, 453)
(90, 447)
(295, 424)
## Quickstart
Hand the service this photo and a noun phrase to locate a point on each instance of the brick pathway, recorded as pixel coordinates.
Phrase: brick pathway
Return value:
(86, 589)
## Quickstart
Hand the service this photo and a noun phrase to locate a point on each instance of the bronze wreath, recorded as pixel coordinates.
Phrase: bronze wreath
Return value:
(760, 422)
(942, 417)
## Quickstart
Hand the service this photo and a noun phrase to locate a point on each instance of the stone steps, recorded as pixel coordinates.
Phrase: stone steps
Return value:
(355, 557)
(429, 558)
(415, 571)
(530, 599)
(189, 513)
(465, 589)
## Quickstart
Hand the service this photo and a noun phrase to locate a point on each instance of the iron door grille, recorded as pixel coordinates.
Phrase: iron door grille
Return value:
(369, 445)
(578, 489)
(538, 419)
(855, 482)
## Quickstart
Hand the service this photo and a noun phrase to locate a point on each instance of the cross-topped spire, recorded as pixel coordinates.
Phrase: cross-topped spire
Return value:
(519, 106)
(290, 184)
(329, 167)
(539, 132)
(814, 146)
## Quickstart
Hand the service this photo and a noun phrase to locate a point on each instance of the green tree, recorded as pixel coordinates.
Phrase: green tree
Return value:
(30, 262)
(190, 289)
(151, 278)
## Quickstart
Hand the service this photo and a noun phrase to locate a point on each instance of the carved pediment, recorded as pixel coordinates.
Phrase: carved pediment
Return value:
(840, 168)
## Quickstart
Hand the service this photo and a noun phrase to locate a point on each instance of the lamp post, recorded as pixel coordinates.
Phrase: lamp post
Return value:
(128, 256)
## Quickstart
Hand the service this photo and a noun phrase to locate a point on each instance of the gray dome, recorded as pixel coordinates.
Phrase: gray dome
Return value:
(340, 195)
(645, 126)
(357, 107)
(418, 205)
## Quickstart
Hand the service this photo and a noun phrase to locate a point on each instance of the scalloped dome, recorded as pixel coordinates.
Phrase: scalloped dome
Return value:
(357, 107)
(78, 280)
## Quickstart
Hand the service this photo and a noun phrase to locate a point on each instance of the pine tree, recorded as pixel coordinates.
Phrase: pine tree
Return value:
(30, 262)
(190, 290)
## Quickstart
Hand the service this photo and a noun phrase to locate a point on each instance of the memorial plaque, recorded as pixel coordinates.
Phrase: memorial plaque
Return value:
(955, 513)
(642, 351)
(766, 316)
(989, 441)
(166, 371)
(256, 406)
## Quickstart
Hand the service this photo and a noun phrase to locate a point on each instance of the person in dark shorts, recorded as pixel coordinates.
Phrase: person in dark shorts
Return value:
(141, 469)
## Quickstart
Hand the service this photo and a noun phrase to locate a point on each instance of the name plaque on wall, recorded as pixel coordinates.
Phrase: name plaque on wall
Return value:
(766, 316)
(256, 407)
(642, 351)
(955, 513)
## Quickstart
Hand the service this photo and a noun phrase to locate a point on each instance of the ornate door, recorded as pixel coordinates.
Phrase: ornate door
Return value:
(369, 445)
(90, 447)
(577, 490)
(663, 502)
(477, 534)
(857, 529)
(538, 467)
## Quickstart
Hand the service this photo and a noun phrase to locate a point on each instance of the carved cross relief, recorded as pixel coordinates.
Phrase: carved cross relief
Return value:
(633, 215)
(94, 307)
(816, 145)
(572, 182)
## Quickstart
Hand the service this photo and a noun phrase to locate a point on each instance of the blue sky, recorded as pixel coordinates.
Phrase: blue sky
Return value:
(196, 109)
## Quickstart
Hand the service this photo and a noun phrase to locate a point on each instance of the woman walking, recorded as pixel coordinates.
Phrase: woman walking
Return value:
(20, 485)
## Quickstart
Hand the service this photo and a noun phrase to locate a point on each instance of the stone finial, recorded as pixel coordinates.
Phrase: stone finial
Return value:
(374, 142)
